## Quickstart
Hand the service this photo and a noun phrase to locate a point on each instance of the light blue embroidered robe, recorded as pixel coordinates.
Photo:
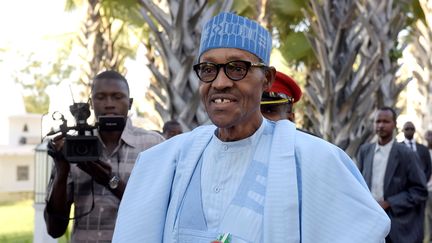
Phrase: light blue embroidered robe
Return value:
(314, 191)
(247, 204)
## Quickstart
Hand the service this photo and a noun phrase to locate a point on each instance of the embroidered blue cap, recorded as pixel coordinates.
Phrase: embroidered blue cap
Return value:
(228, 30)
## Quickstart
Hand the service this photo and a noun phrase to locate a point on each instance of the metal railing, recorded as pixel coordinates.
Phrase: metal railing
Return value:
(43, 166)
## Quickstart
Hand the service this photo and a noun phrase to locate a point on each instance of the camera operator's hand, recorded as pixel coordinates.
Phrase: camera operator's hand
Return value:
(102, 173)
(55, 147)
(99, 170)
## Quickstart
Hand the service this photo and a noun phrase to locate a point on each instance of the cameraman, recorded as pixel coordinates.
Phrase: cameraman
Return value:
(96, 187)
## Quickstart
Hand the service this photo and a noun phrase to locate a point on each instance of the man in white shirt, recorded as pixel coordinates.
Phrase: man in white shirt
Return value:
(380, 161)
(392, 172)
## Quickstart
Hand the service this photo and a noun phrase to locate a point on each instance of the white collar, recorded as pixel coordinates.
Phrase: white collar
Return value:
(384, 147)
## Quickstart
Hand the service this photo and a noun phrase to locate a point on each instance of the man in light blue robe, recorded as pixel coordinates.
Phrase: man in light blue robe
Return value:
(248, 178)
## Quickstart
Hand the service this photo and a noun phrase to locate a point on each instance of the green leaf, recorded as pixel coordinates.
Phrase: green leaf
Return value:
(245, 8)
(295, 48)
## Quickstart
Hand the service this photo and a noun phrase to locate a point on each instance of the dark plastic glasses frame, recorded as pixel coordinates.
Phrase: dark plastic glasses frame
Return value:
(197, 68)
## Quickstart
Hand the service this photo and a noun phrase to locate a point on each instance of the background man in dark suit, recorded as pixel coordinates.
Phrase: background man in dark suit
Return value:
(392, 172)
(422, 151)
(428, 137)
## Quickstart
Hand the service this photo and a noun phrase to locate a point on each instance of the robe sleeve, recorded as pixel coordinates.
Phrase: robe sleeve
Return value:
(337, 205)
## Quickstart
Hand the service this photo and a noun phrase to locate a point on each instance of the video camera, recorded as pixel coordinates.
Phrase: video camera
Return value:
(85, 146)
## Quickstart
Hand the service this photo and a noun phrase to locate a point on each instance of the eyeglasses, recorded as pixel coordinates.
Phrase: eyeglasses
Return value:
(234, 70)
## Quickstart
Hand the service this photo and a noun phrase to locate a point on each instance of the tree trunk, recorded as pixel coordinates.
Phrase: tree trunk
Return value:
(421, 49)
(101, 46)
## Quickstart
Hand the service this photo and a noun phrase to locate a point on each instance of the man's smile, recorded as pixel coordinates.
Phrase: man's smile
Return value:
(221, 101)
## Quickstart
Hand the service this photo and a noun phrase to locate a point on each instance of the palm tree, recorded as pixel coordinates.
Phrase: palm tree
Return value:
(104, 37)
(175, 30)
(421, 49)
(352, 41)
(290, 24)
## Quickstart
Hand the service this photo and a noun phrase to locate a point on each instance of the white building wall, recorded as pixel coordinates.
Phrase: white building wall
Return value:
(8, 172)
(16, 128)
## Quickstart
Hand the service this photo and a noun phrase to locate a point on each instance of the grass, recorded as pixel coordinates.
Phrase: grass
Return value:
(17, 222)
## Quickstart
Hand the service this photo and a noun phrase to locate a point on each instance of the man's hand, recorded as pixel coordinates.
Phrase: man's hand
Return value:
(384, 204)
(102, 173)
(99, 170)
(55, 147)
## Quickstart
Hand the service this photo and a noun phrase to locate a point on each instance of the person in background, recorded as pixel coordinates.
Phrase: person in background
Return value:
(428, 137)
(96, 187)
(245, 178)
(423, 154)
(277, 103)
(171, 128)
(421, 150)
(397, 183)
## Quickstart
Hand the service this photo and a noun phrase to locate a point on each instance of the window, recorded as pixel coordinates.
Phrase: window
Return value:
(22, 173)
(22, 140)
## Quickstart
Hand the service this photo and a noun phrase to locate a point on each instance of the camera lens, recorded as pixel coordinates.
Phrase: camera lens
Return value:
(81, 149)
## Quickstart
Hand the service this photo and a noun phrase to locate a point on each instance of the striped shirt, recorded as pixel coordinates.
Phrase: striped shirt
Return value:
(224, 165)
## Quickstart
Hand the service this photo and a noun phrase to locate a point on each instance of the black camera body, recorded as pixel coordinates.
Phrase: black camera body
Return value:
(85, 146)
(81, 148)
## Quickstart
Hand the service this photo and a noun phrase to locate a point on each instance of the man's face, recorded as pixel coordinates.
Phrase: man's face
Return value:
(110, 97)
(229, 103)
(409, 130)
(384, 124)
(276, 112)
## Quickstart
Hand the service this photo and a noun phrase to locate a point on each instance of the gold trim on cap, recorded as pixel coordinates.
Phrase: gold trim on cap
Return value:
(269, 102)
